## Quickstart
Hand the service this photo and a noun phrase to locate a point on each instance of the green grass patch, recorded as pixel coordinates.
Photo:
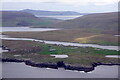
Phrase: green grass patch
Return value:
(45, 49)
(76, 55)
(37, 22)
(108, 43)
(107, 52)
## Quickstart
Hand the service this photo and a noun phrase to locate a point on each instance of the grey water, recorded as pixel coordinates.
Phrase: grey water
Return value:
(20, 70)
(20, 29)
(24, 29)
(67, 43)
(112, 56)
(117, 35)
(62, 17)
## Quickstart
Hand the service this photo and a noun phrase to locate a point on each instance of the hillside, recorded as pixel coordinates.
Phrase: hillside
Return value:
(42, 12)
(17, 18)
(101, 21)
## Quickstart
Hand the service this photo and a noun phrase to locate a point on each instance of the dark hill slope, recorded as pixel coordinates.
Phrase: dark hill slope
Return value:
(17, 18)
(102, 21)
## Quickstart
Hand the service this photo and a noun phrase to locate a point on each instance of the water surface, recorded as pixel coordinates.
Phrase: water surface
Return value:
(117, 35)
(60, 56)
(20, 70)
(25, 29)
(68, 43)
(62, 17)
(113, 56)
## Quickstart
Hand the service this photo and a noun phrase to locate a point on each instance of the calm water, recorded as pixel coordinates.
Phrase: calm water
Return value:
(20, 70)
(62, 17)
(60, 56)
(117, 35)
(113, 56)
(14, 29)
(26, 29)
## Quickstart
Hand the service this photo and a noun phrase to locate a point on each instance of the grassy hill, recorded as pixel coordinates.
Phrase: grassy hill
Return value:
(17, 18)
(101, 21)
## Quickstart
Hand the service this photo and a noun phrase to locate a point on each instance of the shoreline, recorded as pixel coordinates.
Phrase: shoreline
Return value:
(57, 40)
(59, 64)
(74, 44)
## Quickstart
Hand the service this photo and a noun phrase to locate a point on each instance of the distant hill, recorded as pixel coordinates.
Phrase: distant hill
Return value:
(102, 21)
(99, 21)
(18, 18)
(42, 12)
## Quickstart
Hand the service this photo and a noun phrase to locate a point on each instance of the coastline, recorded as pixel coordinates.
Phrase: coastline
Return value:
(59, 64)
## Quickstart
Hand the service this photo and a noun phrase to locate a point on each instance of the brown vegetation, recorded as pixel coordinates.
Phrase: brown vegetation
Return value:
(67, 35)
(21, 47)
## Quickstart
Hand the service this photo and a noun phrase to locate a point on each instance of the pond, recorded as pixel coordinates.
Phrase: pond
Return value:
(117, 35)
(60, 56)
(113, 56)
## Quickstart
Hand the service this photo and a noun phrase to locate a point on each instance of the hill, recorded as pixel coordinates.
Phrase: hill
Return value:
(101, 21)
(42, 12)
(17, 18)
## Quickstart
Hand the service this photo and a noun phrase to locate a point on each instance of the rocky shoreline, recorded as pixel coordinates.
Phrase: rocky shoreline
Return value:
(57, 65)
